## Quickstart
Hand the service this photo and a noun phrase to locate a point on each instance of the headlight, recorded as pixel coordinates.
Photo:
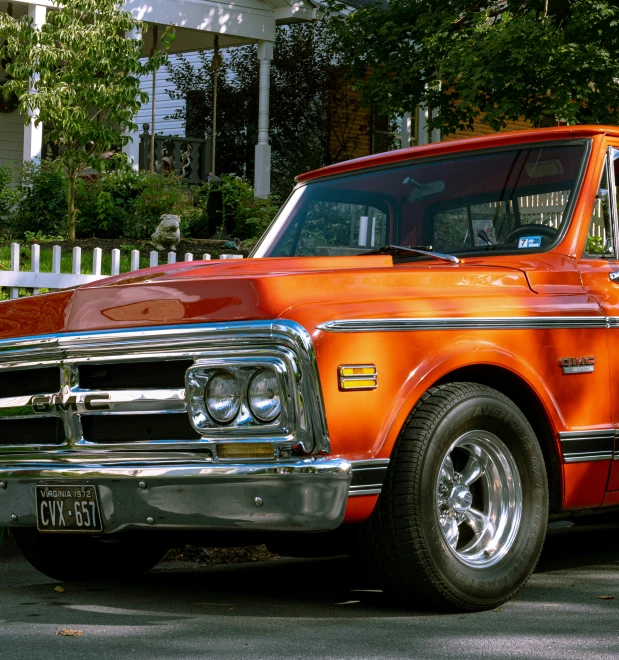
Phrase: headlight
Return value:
(223, 397)
(265, 398)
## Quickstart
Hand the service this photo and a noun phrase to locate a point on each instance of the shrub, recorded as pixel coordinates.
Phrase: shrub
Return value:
(40, 200)
(158, 194)
(104, 201)
(8, 193)
(243, 216)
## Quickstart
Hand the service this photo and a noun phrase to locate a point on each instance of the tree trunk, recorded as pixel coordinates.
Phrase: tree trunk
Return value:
(71, 210)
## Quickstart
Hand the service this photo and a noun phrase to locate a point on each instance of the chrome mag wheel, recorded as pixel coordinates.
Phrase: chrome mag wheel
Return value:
(479, 499)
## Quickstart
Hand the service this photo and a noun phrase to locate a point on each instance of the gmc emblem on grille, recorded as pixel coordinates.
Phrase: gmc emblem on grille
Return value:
(579, 365)
(47, 404)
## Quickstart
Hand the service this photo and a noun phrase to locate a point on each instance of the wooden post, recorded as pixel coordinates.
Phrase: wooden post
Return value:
(14, 267)
(153, 50)
(135, 260)
(35, 262)
(96, 261)
(77, 260)
(115, 262)
(216, 65)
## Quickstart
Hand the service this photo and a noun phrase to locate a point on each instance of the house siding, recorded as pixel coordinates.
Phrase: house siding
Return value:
(11, 138)
(164, 105)
(483, 129)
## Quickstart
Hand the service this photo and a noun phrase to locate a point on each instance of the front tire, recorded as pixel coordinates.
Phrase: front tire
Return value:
(461, 519)
(74, 557)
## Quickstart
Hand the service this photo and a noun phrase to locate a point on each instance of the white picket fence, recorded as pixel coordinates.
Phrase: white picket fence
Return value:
(36, 279)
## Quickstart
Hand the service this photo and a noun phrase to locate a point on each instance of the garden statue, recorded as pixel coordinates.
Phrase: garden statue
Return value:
(167, 236)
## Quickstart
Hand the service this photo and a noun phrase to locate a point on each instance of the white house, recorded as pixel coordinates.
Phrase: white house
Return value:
(197, 22)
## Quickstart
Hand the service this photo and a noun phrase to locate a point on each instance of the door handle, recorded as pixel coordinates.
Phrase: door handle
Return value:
(614, 276)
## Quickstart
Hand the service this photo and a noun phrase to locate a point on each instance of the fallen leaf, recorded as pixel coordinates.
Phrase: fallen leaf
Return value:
(69, 632)
(497, 609)
(606, 597)
(59, 589)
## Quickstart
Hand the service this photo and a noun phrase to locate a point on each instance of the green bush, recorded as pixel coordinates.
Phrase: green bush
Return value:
(243, 216)
(104, 202)
(40, 202)
(8, 193)
(158, 194)
(123, 202)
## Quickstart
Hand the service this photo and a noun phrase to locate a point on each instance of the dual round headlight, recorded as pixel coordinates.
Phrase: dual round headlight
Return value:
(223, 396)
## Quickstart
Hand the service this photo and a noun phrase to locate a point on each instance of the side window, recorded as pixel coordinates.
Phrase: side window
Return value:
(335, 228)
(476, 225)
(600, 236)
(451, 230)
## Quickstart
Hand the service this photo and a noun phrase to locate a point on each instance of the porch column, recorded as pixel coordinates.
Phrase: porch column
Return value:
(425, 135)
(262, 174)
(132, 148)
(33, 134)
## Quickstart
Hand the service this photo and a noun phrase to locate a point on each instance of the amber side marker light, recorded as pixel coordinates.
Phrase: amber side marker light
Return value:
(246, 450)
(358, 377)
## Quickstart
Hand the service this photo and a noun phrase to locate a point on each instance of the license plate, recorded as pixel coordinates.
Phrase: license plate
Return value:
(68, 509)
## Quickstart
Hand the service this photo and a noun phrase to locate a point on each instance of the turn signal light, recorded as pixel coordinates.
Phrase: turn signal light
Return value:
(245, 450)
(358, 377)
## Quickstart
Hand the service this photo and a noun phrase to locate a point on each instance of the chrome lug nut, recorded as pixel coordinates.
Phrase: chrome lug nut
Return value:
(258, 501)
(142, 485)
(150, 521)
(14, 518)
(3, 485)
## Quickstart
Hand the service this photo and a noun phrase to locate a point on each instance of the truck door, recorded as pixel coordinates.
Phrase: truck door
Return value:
(599, 270)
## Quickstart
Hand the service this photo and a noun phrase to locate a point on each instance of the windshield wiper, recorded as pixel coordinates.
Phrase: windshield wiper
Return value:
(398, 249)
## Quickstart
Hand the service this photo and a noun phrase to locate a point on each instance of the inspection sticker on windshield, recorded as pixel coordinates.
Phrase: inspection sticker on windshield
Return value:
(530, 242)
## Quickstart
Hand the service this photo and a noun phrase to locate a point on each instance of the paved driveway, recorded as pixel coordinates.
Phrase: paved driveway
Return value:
(312, 608)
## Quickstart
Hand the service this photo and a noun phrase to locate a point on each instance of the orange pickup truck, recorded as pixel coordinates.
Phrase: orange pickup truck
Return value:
(414, 367)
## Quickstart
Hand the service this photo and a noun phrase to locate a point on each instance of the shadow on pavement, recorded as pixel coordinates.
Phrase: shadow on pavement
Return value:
(323, 588)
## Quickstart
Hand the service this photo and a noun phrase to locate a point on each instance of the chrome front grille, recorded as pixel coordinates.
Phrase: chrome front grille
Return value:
(114, 429)
(47, 431)
(29, 382)
(121, 376)
(125, 390)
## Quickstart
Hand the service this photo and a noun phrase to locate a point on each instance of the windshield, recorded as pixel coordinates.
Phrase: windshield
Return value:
(497, 201)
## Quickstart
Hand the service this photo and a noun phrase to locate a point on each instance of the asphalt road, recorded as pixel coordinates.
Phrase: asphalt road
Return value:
(311, 608)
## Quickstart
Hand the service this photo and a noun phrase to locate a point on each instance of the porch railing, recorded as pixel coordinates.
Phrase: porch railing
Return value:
(189, 158)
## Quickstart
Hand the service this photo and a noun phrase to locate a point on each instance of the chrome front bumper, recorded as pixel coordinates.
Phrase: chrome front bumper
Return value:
(306, 495)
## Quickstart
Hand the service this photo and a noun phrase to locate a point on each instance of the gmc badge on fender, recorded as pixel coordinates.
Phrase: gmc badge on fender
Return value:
(579, 365)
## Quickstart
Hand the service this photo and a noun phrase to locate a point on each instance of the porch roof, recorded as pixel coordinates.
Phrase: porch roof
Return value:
(236, 22)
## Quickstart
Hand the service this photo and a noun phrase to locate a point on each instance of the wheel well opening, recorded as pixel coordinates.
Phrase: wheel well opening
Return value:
(520, 392)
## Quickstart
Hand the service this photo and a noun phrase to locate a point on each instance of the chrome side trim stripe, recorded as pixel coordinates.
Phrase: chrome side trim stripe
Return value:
(471, 323)
(368, 476)
(587, 446)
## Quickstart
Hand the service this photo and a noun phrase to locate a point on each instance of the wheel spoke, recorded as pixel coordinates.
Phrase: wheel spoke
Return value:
(482, 527)
(450, 530)
(472, 470)
(447, 471)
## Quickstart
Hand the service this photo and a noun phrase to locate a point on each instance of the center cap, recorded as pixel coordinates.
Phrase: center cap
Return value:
(461, 498)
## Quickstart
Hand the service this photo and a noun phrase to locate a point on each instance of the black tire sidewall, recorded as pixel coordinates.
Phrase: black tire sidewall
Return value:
(72, 557)
(503, 419)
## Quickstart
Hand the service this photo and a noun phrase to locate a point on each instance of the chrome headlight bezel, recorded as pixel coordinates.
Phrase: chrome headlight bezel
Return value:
(246, 425)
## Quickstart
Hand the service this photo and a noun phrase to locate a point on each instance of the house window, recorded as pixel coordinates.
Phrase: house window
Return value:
(382, 136)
